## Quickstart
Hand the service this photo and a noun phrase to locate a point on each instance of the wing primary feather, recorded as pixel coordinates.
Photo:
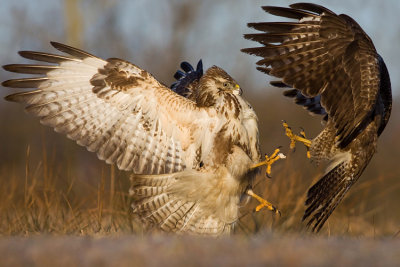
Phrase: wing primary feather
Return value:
(30, 69)
(185, 80)
(280, 84)
(25, 82)
(312, 7)
(274, 26)
(288, 12)
(45, 57)
(71, 50)
(186, 66)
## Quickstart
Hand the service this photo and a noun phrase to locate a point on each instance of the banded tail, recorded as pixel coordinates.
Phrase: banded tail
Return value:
(169, 203)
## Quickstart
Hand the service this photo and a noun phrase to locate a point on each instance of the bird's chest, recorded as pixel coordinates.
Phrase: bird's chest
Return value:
(230, 146)
(234, 141)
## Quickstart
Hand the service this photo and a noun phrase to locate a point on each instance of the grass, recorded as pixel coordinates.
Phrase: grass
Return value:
(51, 185)
(47, 199)
(61, 206)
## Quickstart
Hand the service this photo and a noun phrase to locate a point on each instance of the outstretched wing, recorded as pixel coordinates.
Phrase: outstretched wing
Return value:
(324, 54)
(188, 79)
(110, 106)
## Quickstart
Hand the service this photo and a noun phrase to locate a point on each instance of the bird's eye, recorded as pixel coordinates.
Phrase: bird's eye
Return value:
(225, 84)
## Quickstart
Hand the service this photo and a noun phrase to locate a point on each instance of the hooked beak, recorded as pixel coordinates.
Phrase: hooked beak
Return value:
(238, 89)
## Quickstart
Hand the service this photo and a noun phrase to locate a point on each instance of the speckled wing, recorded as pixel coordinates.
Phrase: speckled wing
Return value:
(324, 54)
(112, 107)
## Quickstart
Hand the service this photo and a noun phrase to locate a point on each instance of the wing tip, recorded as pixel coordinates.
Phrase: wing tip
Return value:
(17, 68)
(311, 7)
(57, 45)
(279, 84)
(62, 47)
(76, 52)
(269, 8)
(8, 67)
(11, 97)
(22, 53)
(7, 83)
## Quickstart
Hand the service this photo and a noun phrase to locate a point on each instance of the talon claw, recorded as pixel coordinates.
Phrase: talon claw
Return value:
(300, 138)
(302, 132)
(263, 203)
(269, 161)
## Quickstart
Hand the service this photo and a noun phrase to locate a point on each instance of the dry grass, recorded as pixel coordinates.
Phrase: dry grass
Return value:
(52, 190)
(50, 185)
(47, 199)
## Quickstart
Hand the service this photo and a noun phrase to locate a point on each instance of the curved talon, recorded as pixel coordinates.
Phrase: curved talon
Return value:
(303, 134)
(289, 133)
(263, 203)
(270, 160)
(293, 138)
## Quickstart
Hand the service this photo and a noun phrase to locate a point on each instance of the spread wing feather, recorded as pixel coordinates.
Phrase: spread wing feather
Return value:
(111, 107)
(322, 54)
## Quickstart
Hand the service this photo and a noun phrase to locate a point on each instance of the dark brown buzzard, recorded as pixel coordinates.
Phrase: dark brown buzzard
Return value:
(334, 70)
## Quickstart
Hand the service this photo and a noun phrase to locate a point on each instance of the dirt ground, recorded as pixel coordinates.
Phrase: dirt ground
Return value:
(161, 250)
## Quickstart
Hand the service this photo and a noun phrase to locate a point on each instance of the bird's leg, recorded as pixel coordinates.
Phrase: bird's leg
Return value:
(303, 135)
(269, 161)
(263, 202)
(301, 138)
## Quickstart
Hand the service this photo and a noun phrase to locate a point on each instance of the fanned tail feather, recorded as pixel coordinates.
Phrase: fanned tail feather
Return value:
(163, 205)
(324, 196)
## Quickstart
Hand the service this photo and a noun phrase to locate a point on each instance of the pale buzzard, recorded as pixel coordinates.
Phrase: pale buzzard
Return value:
(192, 155)
(335, 71)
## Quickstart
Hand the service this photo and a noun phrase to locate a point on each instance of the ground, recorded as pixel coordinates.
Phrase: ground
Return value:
(261, 250)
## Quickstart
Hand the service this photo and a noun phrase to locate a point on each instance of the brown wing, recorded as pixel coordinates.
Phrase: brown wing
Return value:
(112, 107)
(322, 54)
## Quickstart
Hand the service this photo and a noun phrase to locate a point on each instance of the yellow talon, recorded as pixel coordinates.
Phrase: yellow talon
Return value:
(303, 134)
(269, 161)
(263, 203)
(293, 138)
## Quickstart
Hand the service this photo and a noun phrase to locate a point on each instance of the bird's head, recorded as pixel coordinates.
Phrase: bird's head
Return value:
(214, 84)
(222, 81)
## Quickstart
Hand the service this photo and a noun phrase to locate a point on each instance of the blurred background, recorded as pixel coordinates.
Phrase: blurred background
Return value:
(39, 167)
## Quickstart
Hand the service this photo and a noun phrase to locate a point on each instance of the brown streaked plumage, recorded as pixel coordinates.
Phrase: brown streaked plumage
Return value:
(335, 71)
(190, 157)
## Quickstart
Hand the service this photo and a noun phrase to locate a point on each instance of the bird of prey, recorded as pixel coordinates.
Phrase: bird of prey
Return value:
(333, 69)
(193, 151)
